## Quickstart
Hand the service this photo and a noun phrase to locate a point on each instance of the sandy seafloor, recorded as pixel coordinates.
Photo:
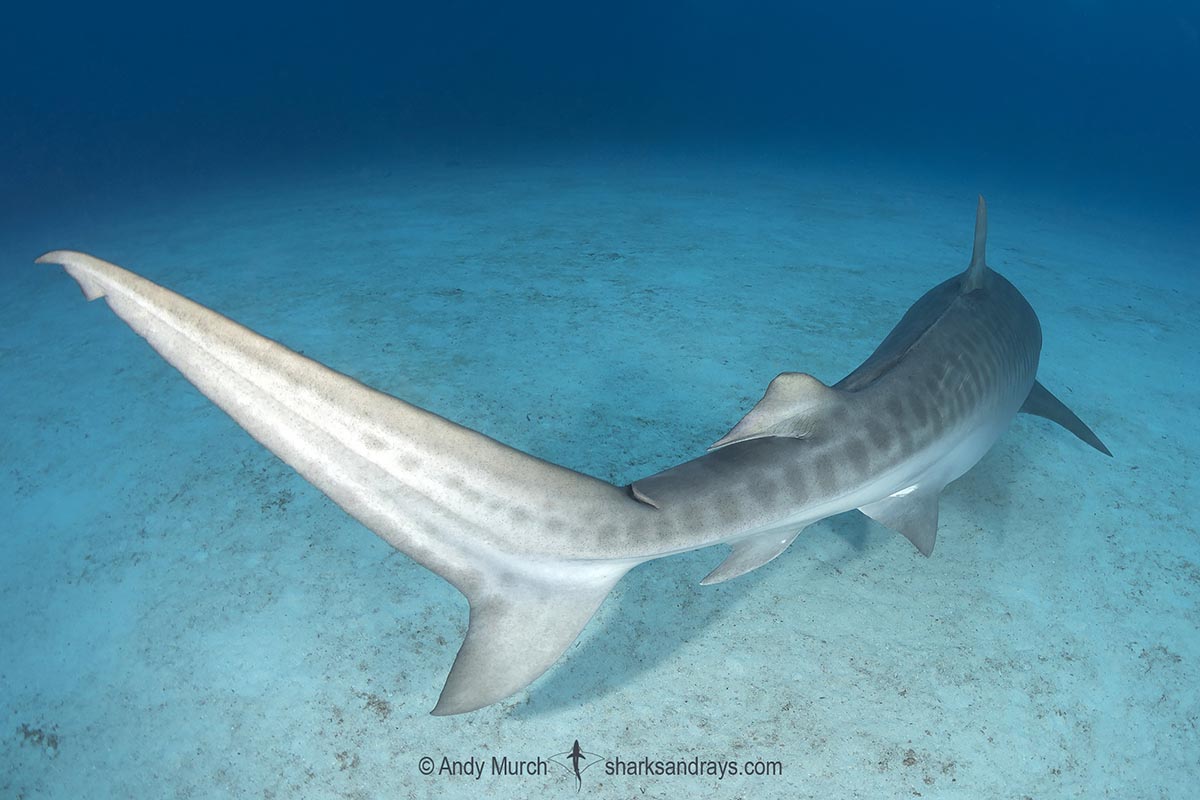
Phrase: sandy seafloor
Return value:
(182, 616)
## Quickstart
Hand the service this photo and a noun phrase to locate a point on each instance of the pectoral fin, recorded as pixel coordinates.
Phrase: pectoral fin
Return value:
(913, 513)
(750, 554)
(1041, 403)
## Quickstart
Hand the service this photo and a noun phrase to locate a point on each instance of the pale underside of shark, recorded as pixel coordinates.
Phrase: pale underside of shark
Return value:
(536, 547)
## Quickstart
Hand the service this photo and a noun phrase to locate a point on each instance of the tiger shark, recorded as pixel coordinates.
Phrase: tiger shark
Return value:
(536, 547)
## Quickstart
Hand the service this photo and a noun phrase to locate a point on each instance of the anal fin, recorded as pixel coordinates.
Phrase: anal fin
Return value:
(913, 514)
(1041, 403)
(750, 554)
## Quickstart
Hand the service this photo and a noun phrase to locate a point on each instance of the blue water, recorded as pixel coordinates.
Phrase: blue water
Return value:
(596, 234)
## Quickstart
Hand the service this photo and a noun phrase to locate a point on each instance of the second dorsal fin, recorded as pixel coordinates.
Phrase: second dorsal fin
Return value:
(791, 406)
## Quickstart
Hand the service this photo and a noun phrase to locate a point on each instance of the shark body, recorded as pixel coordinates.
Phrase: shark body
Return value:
(537, 547)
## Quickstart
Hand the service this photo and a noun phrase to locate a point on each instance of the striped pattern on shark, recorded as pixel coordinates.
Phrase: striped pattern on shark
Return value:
(536, 547)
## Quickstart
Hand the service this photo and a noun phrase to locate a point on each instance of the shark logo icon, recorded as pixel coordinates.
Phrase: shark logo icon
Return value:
(572, 761)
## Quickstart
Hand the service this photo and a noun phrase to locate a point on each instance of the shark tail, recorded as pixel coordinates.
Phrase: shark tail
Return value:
(505, 528)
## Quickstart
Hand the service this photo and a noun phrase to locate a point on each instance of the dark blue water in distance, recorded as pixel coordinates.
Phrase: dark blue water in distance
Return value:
(1097, 93)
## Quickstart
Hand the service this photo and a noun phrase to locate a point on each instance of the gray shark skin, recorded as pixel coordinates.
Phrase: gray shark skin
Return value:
(536, 547)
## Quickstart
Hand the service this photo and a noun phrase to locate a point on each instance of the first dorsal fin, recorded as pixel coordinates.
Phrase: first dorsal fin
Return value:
(792, 403)
(973, 277)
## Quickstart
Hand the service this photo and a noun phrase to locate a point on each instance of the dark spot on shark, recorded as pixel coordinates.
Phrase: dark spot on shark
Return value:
(918, 409)
(937, 418)
(858, 455)
(904, 438)
(797, 481)
(728, 508)
(879, 435)
(765, 491)
(824, 474)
